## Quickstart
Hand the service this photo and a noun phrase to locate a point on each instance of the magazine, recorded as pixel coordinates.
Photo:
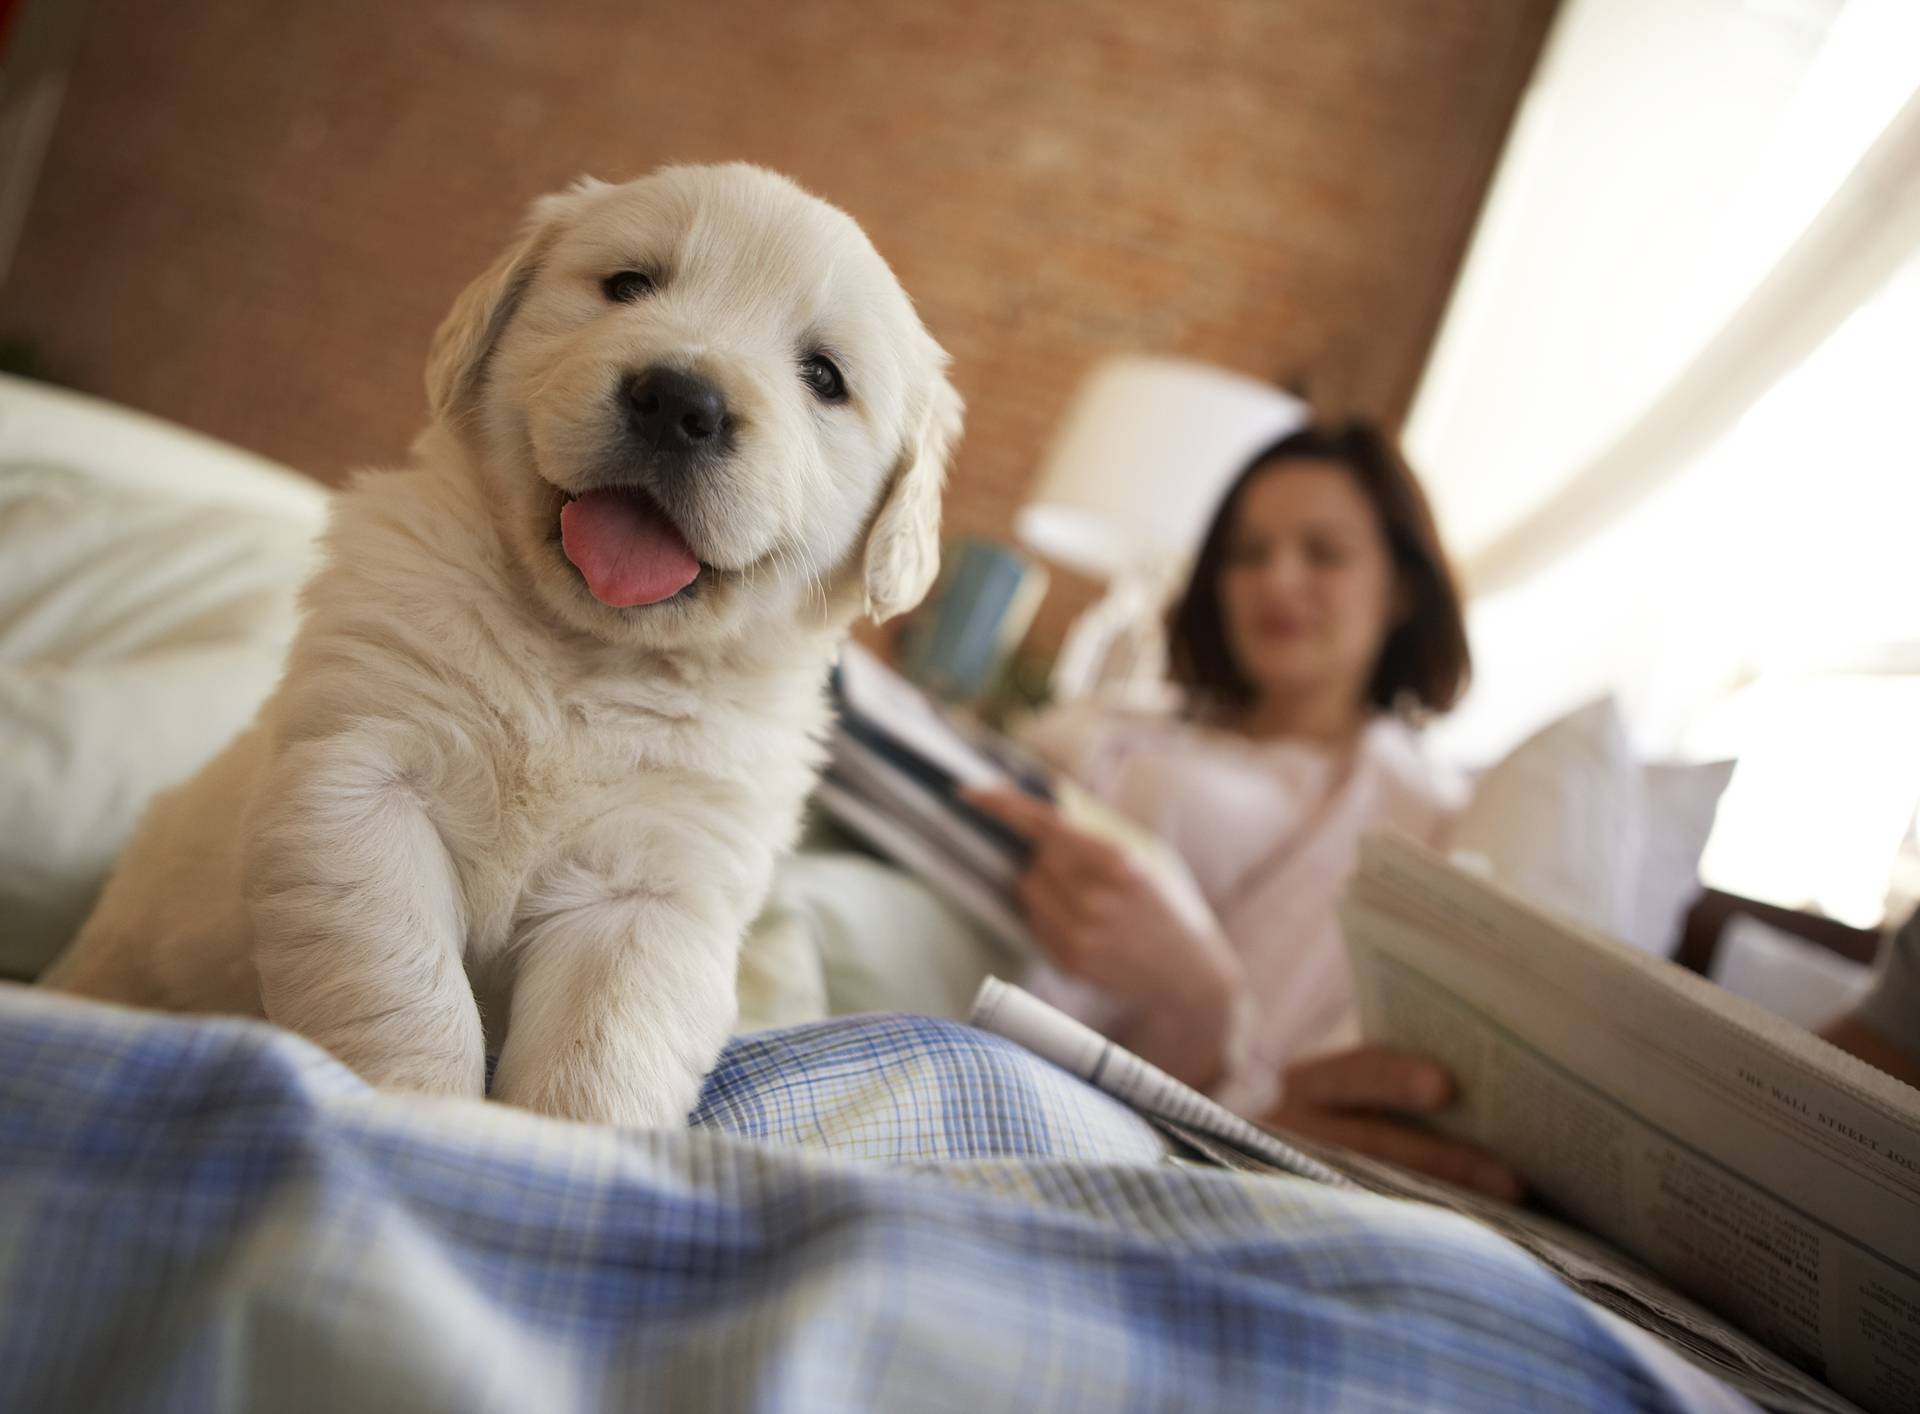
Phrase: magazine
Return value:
(897, 768)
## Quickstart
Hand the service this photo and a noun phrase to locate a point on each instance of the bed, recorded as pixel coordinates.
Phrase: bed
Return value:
(869, 1212)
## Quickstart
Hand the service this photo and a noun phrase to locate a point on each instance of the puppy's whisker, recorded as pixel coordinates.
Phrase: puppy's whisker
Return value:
(819, 579)
(793, 558)
(795, 555)
(544, 381)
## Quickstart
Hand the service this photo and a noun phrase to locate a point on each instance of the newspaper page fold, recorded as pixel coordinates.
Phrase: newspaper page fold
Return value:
(1623, 1288)
(1760, 1171)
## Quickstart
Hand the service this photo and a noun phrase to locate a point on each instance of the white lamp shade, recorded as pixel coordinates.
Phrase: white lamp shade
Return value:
(1143, 456)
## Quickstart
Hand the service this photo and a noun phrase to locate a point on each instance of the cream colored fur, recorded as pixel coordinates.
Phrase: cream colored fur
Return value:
(484, 809)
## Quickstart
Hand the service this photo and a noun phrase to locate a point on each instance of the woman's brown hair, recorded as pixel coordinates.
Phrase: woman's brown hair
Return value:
(1424, 663)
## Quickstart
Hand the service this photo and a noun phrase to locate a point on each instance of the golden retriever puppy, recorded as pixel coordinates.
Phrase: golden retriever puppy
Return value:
(559, 690)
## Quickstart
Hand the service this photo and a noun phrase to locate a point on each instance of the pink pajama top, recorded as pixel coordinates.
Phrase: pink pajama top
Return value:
(1270, 831)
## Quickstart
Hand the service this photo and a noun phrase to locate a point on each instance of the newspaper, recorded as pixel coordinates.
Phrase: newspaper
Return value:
(1021, 1017)
(896, 769)
(1617, 1284)
(1763, 1173)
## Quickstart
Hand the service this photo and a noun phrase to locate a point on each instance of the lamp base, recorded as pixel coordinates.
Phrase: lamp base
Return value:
(1117, 650)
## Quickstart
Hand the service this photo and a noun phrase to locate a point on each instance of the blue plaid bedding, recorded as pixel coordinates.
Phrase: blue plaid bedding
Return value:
(867, 1214)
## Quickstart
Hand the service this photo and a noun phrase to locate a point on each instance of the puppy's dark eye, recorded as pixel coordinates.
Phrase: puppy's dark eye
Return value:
(627, 286)
(819, 374)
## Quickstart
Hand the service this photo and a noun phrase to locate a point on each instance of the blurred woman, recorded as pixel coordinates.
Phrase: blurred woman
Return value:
(1321, 625)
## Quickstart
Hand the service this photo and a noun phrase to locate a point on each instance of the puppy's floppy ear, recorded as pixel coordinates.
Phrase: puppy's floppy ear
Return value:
(903, 546)
(478, 317)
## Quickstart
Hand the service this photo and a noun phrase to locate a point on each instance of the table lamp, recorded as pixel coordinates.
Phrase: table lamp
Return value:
(1144, 454)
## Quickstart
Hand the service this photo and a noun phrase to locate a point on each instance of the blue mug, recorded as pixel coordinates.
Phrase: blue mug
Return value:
(979, 609)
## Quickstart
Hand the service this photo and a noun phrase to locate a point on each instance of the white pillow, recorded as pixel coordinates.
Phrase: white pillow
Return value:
(1789, 976)
(1681, 801)
(147, 592)
(1562, 821)
(140, 629)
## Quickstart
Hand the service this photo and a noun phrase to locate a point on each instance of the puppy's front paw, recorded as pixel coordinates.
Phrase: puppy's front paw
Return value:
(619, 1011)
(658, 1099)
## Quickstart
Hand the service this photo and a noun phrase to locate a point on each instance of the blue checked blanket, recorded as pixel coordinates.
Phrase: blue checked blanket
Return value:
(874, 1213)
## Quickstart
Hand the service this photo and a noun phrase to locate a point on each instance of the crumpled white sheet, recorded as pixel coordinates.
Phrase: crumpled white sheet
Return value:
(148, 586)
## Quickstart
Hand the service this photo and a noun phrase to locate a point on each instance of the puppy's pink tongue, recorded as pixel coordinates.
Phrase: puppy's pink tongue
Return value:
(628, 552)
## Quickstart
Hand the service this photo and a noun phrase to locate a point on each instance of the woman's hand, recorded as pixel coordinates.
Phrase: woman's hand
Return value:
(1101, 917)
(1366, 1099)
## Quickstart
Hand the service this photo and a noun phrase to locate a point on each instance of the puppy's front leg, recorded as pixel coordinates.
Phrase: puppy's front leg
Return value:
(625, 991)
(358, 927)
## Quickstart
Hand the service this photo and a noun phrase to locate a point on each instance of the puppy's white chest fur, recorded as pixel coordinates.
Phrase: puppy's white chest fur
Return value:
(548, 766)
(620, 778)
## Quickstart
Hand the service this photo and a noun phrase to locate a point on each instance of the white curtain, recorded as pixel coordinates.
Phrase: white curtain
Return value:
(1672, 424)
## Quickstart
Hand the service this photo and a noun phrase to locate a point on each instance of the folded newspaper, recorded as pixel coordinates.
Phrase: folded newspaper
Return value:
(1730, 1185)
(1767, 1175)
(898, 763)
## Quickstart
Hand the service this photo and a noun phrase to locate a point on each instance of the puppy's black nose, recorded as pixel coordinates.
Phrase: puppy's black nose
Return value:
(672, 411)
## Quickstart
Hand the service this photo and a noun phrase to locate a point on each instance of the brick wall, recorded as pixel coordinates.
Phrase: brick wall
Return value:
(253, 213)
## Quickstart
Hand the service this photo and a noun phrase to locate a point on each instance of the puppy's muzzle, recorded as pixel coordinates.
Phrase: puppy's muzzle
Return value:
(675, 414)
